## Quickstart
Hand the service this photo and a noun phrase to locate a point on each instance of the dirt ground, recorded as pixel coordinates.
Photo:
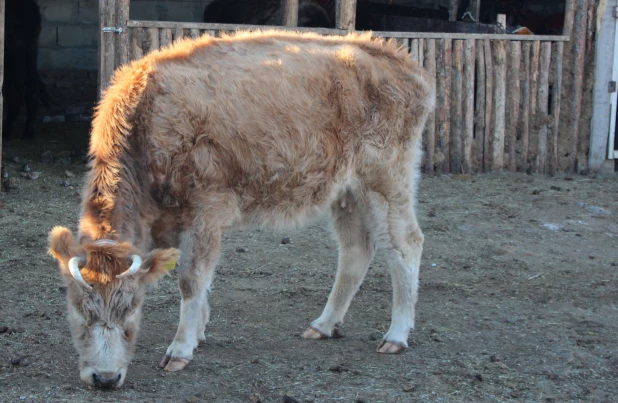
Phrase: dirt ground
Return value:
(518, 300)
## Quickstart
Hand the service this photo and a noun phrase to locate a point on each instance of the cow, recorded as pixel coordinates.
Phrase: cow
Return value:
(311, 13)
(265, 128)
(22, 82)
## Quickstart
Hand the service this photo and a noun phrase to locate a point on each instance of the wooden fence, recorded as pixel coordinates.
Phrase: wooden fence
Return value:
(498, 96)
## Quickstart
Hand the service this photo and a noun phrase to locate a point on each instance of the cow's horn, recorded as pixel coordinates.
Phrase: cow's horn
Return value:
(74, 269)
(137, 263)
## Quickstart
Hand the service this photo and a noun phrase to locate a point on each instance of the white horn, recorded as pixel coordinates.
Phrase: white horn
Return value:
(137, 263)
(74, 269)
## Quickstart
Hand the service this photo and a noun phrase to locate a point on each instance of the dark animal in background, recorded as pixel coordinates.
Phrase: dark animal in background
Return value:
(311, 13)
(22, 83)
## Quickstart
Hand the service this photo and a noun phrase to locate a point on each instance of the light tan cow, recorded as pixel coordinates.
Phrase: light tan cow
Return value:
(265, 128)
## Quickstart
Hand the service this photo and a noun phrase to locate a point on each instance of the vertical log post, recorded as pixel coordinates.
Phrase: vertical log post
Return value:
(453, 5)
(430, 66)
(1, 70)
(555, 109)
(489, 98)
(479, 130)
(533, 138)
(522, 165)
(107, 48)
(456, 102)
(290, 13)
(443, 104)
(468, 106)
(543, 106)
(497, 149)
(475, 9)
(512, 102)
(122, 38)
(346, 15)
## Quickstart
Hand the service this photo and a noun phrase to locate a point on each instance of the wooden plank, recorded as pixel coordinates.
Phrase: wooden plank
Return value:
(430, 132)
(533, 138)
(177, 34)
(136, 51)
(475, 9)
(555, 108)
(194, 32)
(456, 108)
(574, 106)
(165, 37)
(512, 101)
(479, 129)
(1, 71)
(346, 15)
(522, 165)
(290, 13)
(330, 31)
(414, 53)
(542, 108)
(443, 104)
(421, 52)
(501, 20)
(107, 49)
(122, 37)
(468, 105)
(453, 5)
(153, 33)
(489, 97)
(499, 129)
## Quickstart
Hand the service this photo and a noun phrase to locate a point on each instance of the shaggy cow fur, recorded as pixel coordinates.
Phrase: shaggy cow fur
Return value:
(266, 128)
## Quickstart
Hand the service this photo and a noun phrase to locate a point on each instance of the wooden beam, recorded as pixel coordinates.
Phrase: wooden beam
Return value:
(468, 105)
(1, 70)
(290, 13)
(479, 129)
(331, 31)
(499, 129)
(475, 9)
(121, 38)
(346, 15)
(453, 5)
(107, 48)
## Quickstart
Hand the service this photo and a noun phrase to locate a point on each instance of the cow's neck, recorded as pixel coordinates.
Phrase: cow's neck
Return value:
(114, 204)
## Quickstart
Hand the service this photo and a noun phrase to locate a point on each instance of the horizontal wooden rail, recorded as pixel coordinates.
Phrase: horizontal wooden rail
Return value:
(328, 31)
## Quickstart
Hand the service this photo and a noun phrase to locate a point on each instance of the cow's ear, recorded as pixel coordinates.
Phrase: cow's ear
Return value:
(158, 263)
(62, 246)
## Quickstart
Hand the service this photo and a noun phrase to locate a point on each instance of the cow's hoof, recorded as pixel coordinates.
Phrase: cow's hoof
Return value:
(389, 347)
(314, 334)
(176, 364)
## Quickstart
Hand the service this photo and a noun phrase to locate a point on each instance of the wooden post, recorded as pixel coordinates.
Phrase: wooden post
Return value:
(512, 101)
(346, 15)
(574, 107)
(414, 52)
(468, 105)
(533, 138)
(443, 104)
(153, 33)
(497, 149)
(456, 102)
(522, 165)
(555, 109)
(489, 97)
(543, 100)
(136, 52)
(165, 37)
(1, 70)
(479, 130)
(114, 44)
(290, 13)
(502, 20)
(475, 9)
(453, 5)
(430, 66)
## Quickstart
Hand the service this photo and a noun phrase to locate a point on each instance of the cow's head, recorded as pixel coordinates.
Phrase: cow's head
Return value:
(105, 292)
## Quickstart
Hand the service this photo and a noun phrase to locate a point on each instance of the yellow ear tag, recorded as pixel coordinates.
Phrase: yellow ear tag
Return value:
(169, 265)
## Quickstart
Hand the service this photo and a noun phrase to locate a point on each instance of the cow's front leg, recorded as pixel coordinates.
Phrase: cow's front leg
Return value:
(200, 253)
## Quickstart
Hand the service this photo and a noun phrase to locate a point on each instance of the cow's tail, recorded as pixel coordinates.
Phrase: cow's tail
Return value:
(113, 116)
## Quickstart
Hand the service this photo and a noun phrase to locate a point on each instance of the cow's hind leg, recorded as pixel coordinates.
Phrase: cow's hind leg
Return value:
(401, 238)
(356, 250)
(200, 253)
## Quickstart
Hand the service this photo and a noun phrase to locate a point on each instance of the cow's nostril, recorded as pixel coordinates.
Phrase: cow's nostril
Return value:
(102, 381)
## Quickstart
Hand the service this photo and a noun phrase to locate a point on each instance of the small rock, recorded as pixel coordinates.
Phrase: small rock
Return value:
(478, 377)
(27, 168)
(337, 368)
(4, 329)
(409, 388)
(556, 188)
(255, 398)
(436, 337)
(16, 159)
(289, 399)
(536, 192)
(15, 361)
(65, 184)
(286, 241)
(34, 175)
(69, 174)
(494, 358)
(432, 213)
(241, 250)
